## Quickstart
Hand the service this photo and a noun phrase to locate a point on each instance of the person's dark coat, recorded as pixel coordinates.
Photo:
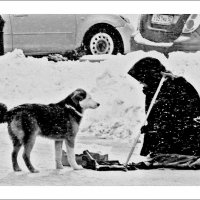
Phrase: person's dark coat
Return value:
(171, 126)
(2, 22)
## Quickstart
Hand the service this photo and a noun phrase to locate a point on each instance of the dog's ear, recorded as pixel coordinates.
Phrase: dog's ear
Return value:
(78, 95)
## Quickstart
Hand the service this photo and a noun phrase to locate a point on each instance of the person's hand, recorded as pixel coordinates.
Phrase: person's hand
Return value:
(169, 74)
(144, 129)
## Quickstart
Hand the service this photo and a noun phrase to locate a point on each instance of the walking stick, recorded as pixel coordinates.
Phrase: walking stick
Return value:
(147, 115)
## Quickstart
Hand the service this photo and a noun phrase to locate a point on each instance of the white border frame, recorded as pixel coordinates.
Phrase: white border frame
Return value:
(91, 7)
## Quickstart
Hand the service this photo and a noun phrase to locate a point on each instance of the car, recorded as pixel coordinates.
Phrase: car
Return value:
(167, 33)
(42, 34)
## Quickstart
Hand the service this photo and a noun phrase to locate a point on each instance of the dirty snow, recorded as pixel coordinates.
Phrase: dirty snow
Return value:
(139, 39)
(108, 129)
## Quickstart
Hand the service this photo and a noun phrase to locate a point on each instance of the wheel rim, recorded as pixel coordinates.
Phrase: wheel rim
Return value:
(101, 43)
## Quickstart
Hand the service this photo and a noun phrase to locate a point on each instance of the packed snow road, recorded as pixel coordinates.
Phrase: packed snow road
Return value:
(43, 158)
(108, 130)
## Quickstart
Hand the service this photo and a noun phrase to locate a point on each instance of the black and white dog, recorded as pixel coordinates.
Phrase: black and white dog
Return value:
(59, 122)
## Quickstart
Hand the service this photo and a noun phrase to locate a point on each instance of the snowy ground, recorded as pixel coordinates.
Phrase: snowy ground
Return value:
(109, 129)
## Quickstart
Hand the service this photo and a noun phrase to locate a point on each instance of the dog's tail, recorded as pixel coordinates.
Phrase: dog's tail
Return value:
(3, 111)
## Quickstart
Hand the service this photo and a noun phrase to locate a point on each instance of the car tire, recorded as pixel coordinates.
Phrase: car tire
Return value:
(103, 40)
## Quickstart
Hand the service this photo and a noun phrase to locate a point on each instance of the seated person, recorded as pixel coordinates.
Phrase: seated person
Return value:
(171, 126)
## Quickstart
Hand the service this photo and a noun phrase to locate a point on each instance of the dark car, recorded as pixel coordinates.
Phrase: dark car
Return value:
(167, 32)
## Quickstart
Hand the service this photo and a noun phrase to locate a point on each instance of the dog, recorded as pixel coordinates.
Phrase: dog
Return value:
(59, 121)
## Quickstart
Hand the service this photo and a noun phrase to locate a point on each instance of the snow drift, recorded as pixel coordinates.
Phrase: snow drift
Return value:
(27, 80)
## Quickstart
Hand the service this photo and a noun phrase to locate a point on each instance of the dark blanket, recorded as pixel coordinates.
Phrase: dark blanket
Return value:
(174, 161)
(95, 161)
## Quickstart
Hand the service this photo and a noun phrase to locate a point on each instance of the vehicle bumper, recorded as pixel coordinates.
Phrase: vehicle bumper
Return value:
(126, 33)
(190, 43)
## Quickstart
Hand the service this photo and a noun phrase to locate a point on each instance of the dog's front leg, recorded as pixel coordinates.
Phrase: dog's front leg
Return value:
(58, 154)
(71, 155)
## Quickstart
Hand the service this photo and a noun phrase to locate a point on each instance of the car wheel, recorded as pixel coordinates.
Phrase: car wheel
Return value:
(103, 41)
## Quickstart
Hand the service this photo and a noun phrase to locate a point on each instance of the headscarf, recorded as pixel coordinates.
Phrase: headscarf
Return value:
(147, 70)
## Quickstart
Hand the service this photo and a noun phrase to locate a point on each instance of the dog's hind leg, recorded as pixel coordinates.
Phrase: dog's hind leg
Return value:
(71, 156)
(16, 147)
(17, 143)
(58, 154)
(31, 130)
(28, 146)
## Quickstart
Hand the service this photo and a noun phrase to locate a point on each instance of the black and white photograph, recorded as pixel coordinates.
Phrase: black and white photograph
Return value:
(94, 98)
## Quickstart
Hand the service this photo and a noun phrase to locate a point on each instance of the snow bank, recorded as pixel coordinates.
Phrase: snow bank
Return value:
(186, 65)
(27, 80)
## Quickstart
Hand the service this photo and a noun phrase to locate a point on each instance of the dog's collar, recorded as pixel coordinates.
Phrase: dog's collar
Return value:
(72, 108)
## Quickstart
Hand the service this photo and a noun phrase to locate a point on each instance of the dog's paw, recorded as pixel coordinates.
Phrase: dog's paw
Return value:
(17, 169)
(35, 171)
(78, 167)
(59, 166)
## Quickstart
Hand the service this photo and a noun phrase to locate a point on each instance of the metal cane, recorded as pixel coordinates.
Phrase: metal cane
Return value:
(147, 115)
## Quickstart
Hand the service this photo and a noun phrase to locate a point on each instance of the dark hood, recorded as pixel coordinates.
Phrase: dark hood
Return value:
(147, 70)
